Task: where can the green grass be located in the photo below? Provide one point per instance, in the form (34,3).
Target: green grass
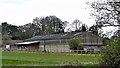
(0,57)
(46,59)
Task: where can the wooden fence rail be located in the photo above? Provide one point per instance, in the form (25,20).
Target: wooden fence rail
(63,51)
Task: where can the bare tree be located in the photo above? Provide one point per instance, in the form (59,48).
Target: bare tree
(76,24)
(106,12)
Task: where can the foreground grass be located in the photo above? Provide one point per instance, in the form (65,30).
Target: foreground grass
(0,57)
(47,59)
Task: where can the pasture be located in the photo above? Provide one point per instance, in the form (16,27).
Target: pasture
(47,59)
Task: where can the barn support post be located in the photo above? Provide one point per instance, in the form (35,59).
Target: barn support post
(44,45)
(50,48)
(39,46)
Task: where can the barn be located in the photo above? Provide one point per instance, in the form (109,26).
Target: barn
(59,42)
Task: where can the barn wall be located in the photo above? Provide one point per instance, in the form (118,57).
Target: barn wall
(90,39)
(55,45)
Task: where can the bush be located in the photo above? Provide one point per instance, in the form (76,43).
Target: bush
(75,44)
(111,54)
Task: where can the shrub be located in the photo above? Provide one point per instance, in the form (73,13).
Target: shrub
(111,54)
(75,44)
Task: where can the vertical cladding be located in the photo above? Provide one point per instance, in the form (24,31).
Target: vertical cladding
(57,45)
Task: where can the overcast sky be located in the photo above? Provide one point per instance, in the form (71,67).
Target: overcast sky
(20,12)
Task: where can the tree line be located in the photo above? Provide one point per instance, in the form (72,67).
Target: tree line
(43,26)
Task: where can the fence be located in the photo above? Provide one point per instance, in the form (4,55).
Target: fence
(57,51)
(75,52)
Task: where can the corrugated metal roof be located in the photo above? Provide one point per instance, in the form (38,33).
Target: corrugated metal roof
(54,36)
(59,36)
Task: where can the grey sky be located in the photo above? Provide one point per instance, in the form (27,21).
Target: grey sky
(20,12)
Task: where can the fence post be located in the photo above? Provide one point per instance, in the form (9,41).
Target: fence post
(81,52)
(77,52)
(90,51)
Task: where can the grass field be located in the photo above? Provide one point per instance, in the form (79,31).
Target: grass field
(0,57)
(47,59)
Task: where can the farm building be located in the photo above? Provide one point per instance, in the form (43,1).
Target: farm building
(59,42)
(9,44)
(26,46)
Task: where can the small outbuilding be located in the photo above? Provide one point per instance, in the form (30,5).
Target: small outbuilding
(26,46)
